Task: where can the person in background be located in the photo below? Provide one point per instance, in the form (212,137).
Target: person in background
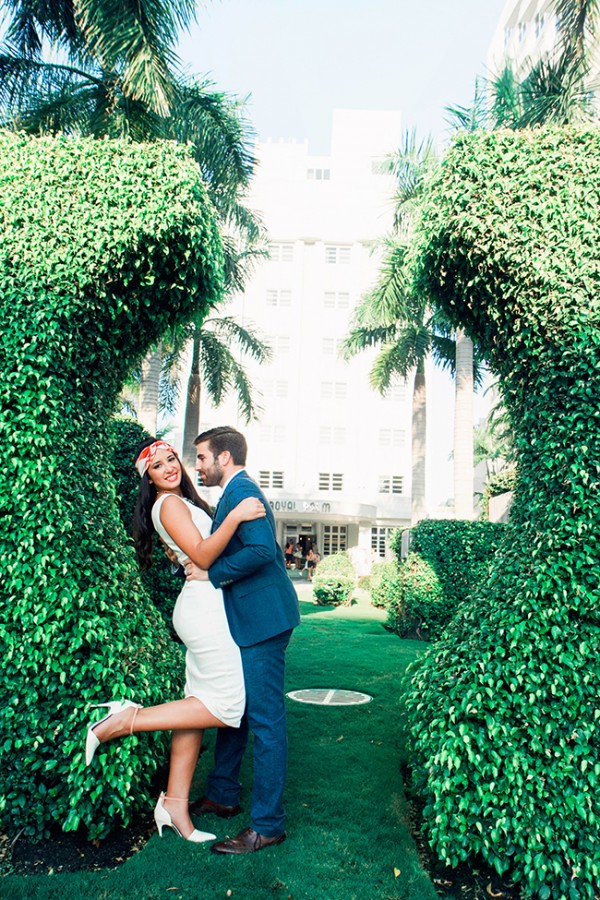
(290,561)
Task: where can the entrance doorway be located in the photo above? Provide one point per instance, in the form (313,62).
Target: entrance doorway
(303,537)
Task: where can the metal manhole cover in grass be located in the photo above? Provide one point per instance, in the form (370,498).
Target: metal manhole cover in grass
(330,697)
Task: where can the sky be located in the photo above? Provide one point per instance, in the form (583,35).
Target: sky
(298,60)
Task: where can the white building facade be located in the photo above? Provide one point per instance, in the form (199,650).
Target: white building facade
(527,29)
(332,456)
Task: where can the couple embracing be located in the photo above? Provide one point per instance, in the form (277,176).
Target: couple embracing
(235,616)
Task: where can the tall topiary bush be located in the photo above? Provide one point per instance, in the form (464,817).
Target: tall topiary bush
(102,245)
(504,709)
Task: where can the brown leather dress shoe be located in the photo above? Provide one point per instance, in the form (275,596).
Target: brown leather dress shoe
(204,806)
(247,841)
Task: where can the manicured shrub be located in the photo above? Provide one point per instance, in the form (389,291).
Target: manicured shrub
(161,586)
(103,245)
(382,582)
(504,708)
(335,580)
(459,552)
(418,605)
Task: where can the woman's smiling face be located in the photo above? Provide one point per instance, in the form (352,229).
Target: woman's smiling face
(165,471)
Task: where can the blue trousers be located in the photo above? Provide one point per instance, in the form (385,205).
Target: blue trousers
(264,671)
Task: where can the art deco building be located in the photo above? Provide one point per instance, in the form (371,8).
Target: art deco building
(332,456)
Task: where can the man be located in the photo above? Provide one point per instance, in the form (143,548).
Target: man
(262,610)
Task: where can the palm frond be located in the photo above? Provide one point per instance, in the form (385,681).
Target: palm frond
(361,338)
(214,124)
(248,406)
(226,328)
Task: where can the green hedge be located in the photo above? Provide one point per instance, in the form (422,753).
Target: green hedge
(460,553)
(417,605)
(504,709)
(103,245)
(335,580)
(382,583)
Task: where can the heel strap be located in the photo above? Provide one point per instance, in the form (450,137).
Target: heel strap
(135,712)
(181,799)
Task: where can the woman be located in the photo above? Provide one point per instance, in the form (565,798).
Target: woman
(214,689)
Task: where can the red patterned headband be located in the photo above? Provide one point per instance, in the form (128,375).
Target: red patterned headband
(146,457)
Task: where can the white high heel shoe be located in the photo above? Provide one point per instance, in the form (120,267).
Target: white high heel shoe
(162,819)
(115,706)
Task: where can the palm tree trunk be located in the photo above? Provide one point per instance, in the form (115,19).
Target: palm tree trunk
(419,445)
(463,428)
(191,422)
(149,389)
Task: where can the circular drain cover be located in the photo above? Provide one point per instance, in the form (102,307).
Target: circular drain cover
(330,697)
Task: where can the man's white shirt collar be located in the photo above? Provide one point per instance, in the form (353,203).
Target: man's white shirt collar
(230,479)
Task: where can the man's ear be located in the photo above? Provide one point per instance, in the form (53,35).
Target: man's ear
(225,457)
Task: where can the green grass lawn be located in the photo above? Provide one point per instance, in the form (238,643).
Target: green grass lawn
(348,837)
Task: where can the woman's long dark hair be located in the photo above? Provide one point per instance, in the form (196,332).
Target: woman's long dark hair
(143,528)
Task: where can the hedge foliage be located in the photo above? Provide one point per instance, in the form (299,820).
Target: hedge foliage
(504,709)
(102,245)
(335,580)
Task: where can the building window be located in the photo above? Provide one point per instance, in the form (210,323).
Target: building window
(336,254)
(270,479)
(272,434)
(331,346)
(335,539)
(539,24)
(392,437)
(332,434)
(522,32)
(279,298)
(331,481)
(380,540)
(281,252)
(334,390)
(507,35)
(390,484)
(336,300)
(277,388)
(318,174)
(280,343)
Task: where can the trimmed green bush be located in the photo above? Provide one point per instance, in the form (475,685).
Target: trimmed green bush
(418,605)
(335,580)
(460,552)
(161,586)
(103,245)
(382,582)
(504,709)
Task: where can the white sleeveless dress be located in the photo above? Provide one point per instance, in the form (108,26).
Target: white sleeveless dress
(213,666)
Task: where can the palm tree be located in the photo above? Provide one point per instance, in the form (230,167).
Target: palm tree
(216,345)
(400,322)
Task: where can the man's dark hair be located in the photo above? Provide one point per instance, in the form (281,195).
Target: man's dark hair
(225,438)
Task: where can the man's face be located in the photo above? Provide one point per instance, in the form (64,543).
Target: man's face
(207,466)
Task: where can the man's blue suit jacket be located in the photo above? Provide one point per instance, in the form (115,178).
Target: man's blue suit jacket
(260,600)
